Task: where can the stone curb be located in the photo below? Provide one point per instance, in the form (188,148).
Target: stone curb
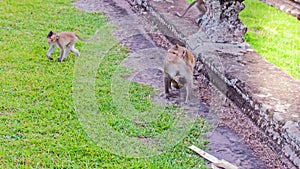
(268,95)
(288,6)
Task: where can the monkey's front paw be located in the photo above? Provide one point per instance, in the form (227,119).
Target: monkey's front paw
(59,59)
(168,96)
(164,95)
(50,58)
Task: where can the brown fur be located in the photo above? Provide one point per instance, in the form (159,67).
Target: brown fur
(186,55)
(64,39)
(177,72)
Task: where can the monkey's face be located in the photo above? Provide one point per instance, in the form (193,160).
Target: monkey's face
(172,54)
(52,37)
(49,40)
(181,51)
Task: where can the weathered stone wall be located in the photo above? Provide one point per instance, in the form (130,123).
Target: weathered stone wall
(143,4)
(221,22)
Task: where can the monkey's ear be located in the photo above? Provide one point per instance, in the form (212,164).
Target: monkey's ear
(184,53)
(50,34)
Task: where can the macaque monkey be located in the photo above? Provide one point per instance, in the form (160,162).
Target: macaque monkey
(177,72)
(62,40)
(201,7)
(186,55)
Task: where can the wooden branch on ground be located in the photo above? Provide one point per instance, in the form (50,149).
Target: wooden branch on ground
(215,161)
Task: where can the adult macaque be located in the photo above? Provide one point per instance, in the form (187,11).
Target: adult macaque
(177,72)
(186,55)
(200,6)
(62,40)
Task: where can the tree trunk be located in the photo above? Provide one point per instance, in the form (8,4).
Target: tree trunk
(221,22)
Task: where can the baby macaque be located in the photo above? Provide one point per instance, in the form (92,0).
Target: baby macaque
(62,40)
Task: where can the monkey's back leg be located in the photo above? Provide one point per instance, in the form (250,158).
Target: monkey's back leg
(167,82)
(68,48)
(181,15)
(74,50)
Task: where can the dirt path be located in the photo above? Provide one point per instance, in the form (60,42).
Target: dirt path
(148,47)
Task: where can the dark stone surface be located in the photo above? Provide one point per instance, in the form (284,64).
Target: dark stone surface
(234,147)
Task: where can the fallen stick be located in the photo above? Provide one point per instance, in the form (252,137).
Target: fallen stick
(219,163)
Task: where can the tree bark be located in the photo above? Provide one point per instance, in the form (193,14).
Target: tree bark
(221,22)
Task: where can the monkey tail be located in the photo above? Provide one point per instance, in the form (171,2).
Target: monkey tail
(87,40)
(181,15)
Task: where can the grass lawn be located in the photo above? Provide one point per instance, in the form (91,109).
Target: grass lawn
(43,121)
(274,34)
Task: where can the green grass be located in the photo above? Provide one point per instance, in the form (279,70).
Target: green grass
(40,127)
(274,34)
